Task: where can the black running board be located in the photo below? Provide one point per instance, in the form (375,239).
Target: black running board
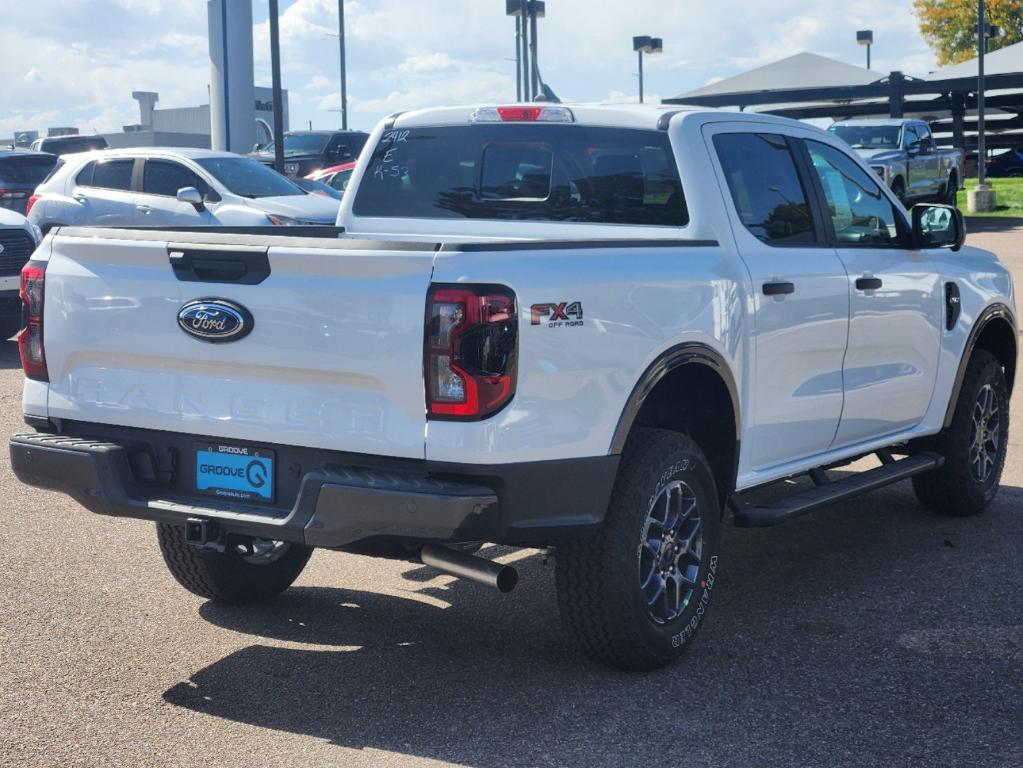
(828,492)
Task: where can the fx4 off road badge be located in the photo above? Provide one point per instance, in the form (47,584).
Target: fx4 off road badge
(564,314)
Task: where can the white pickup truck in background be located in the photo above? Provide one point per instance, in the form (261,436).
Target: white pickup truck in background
(588,329)
(904,154)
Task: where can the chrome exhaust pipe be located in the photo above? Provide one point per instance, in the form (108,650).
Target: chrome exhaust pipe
(465,566)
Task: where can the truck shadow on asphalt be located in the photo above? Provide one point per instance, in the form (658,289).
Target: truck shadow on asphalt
(869,630)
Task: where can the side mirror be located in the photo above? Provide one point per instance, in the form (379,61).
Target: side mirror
(938,226)
(913,148)
(192,196)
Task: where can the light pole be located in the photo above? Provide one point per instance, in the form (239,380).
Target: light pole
(527,73)
(340,35)
(537,10)
(344,77)
(982,197)
(645,44)
(866,37)
(517,8)
(275,77)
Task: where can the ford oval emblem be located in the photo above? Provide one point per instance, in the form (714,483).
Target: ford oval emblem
(215,320)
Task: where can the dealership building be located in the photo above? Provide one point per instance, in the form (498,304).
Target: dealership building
(189,126)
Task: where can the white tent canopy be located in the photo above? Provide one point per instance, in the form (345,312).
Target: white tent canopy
(1003,61)
(803,70)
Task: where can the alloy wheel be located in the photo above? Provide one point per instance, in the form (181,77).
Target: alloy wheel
(670,552)
(986,441)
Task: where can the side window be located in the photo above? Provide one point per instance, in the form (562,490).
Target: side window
(112,174)
(339,147)
(163,177)
(339,180)
(84,177)
(765,187)
(925,137)
(912,137)
(860,211)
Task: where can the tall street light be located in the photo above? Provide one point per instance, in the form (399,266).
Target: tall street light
(278,96)
(527,73)
(517,8)
(866,37)
(645,44)
(536,9)
(344,77)
(340,35)
(982,197)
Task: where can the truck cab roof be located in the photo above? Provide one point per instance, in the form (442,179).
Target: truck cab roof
(637,116)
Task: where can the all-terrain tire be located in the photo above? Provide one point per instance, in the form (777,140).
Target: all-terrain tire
(601,593)
(228,576)
(956,489)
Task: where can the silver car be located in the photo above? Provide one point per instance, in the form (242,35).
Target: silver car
(158,187)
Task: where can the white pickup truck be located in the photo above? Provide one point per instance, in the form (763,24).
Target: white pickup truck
(587,329)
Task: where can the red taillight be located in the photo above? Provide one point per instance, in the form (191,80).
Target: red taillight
(30,340)
(470,350)
(31,201)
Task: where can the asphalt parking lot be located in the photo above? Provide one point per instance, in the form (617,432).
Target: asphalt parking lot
(867,634)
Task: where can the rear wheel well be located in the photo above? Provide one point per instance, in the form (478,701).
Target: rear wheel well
(999,338)
(694,399)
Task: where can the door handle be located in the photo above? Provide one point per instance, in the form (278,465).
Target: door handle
(868,283)
(143,208)
(79,197)
(779,289)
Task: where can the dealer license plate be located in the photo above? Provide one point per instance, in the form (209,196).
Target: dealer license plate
(234,472)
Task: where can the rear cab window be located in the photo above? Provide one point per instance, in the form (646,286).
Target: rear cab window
(524,172)
(26,172)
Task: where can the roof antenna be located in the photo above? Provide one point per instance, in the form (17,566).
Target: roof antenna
(546,92)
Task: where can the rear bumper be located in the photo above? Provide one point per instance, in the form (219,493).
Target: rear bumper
(343,502)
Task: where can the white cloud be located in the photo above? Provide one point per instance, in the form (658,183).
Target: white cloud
(82,64)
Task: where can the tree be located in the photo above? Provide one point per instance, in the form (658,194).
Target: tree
(949,26)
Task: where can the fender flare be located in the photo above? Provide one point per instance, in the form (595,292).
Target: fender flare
(991,313)
(687,353)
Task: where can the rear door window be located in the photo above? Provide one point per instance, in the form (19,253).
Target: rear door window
(526,172)
(109,174)
(765,186)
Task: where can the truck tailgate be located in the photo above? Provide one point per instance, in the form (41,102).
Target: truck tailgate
(334,358)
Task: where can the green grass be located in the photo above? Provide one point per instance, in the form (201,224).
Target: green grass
(1008,197)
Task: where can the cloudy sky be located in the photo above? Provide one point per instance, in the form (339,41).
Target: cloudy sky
(76,62)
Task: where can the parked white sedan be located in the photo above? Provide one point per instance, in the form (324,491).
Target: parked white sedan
(161,187)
